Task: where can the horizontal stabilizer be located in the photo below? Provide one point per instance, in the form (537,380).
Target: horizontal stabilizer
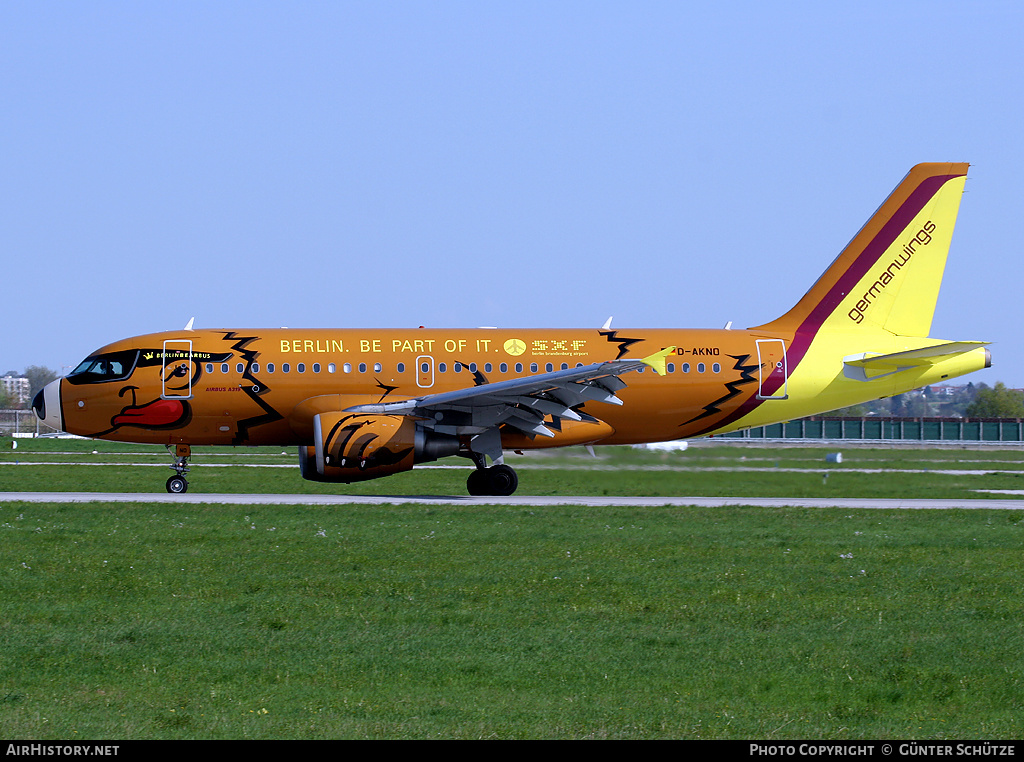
(865,367)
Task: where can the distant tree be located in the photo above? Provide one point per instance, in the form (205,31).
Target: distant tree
(909,405)
(38,377)
(963,397)
(997,402)
(916,406)
(853,411)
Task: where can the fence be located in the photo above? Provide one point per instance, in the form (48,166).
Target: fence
(890,429)
(23,423)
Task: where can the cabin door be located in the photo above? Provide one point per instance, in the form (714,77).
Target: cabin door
(177,369)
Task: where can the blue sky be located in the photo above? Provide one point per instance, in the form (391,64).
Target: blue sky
(454,164)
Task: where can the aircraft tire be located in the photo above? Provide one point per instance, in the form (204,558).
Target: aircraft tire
(498,481)
(476,484)
(502,480)
(176,485)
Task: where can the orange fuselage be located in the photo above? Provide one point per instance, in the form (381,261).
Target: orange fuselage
(247,387)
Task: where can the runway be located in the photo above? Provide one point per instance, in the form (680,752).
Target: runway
(980,503)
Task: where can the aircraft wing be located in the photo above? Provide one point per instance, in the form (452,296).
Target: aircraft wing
(867,366)
(522,403)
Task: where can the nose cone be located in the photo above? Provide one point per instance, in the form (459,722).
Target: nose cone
(39,405)
(47,405)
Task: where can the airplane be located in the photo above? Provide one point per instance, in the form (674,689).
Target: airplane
(361,404)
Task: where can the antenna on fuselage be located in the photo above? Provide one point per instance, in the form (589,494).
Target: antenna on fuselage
(188,325)
(607,324)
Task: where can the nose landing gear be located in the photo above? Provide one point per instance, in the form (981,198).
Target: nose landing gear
(177,484)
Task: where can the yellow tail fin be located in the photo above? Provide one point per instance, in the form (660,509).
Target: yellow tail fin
(889,275)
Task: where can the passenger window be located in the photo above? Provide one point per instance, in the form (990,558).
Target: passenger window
(224,368)
(285,367)
(255,367)
(270,367)
(401,367)
(301,367)
(316,367)
(331,368)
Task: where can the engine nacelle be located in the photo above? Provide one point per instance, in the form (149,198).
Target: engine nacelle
(352,447)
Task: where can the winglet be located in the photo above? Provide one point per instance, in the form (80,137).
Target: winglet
(657,360)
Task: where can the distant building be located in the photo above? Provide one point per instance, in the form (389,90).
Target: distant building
(16,387)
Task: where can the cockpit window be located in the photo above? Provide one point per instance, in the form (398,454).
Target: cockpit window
(114,366)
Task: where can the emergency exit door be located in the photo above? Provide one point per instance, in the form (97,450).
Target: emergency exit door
(773,372)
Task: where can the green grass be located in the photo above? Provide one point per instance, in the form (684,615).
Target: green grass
(124,621)
(121,621)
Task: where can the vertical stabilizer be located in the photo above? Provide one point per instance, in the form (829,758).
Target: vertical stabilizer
(888,276)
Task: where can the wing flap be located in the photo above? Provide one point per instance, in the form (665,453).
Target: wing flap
(523,403)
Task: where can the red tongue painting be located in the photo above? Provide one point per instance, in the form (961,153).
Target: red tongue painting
(156,413)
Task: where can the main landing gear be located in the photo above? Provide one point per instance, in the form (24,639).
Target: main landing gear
(177,484)
(500,480)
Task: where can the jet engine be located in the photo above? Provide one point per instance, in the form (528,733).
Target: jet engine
(353,447)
